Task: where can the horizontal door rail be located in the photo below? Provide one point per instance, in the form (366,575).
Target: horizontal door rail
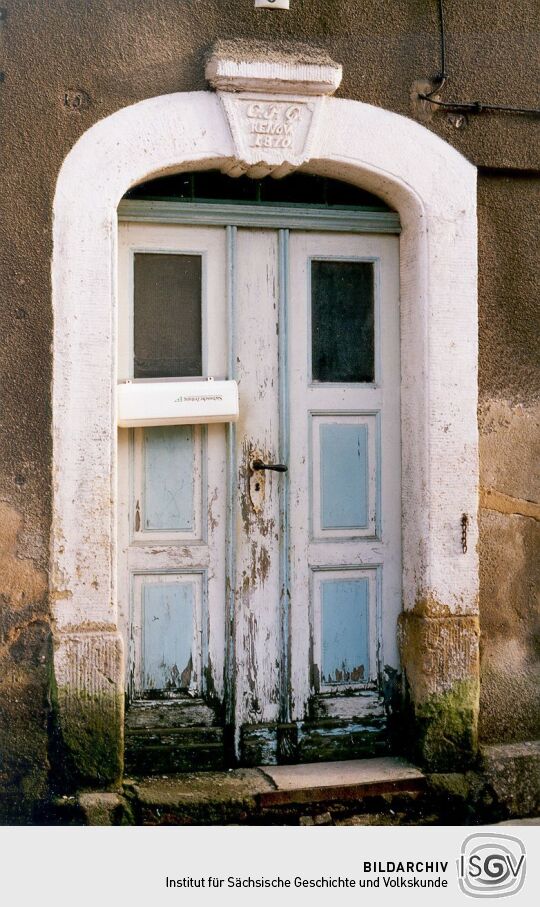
(276,216)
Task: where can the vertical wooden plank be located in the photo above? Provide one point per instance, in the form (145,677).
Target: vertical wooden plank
(168,614)
(168,478)
(344,476)
(232,466)
(284,488)
(345,630)
(258,624)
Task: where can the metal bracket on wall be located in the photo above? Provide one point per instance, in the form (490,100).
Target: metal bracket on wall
(271,4)
(464,528)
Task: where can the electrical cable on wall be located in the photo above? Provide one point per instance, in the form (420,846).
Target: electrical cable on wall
(464,106)
(441,78)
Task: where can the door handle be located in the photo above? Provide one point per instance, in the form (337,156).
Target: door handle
(276,467)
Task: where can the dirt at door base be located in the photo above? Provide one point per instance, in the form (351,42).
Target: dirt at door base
(180,734)
(184,734)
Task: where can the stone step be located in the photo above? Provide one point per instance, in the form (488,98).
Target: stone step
(197,798)
(351,792)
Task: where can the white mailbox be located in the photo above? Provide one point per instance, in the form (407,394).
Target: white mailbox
(156,402)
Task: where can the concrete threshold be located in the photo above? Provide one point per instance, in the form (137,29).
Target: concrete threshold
(327,781)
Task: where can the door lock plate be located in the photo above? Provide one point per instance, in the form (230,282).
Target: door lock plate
(257,482)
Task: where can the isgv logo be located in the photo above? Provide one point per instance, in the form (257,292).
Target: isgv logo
(491,866)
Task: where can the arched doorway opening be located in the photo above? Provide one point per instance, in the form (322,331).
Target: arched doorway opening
(433,189)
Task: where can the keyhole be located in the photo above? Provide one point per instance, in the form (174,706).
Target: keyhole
(257,486)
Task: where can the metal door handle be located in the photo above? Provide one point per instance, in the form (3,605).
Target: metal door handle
(277,467)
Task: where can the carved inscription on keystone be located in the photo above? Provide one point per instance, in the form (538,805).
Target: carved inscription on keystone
(272,125)
(270,130)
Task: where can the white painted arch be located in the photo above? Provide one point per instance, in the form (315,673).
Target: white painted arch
(434,190)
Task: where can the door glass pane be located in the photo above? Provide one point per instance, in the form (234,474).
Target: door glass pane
(167,316)
(342,321)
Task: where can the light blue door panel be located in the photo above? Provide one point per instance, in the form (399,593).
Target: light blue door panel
(168,614)
(344,476)
(345,631)
(168,478)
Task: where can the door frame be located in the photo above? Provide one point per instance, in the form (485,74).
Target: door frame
(281,221)
(433,189)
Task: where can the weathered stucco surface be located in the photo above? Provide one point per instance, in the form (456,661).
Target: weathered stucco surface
(510,572)
(88,709)
(509,224)
(440,658)
(25,653)
(70,63)
(509,424)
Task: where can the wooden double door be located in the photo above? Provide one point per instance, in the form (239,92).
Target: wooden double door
(259,563)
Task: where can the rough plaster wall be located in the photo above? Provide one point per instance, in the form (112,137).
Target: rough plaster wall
(509,420)
(24,666)
(509,256)
(120,51)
